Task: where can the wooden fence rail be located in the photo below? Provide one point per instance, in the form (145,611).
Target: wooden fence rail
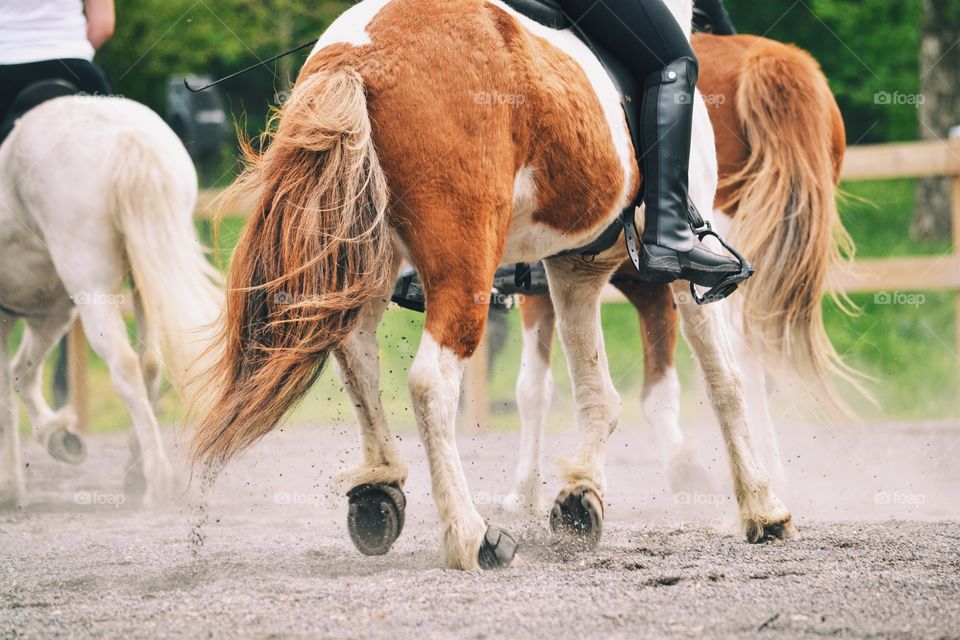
(873,162)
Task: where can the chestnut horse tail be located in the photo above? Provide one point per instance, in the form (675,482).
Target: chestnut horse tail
(316,249)
(787,221)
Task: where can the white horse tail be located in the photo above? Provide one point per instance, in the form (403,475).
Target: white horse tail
(155,195)
(787,221)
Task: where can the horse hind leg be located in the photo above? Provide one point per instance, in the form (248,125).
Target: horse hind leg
(660,326)
(762,515)
(575,287)
(457,306)
(11,460)
(376,500)
(107,333)
(151,367)
(534,390)
(55,430)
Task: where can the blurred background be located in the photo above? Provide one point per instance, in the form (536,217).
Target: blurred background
(894,66)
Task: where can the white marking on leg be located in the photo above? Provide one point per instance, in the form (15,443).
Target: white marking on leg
(358,362)
(435,379)
(534,392)
(661,406)
(758,406)
(706,331)
(104,327)
(576,296)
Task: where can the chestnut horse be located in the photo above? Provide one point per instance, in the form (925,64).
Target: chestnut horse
(458,135)
(780,147)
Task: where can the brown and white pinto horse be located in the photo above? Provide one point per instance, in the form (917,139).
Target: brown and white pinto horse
(458,135)
(780,146)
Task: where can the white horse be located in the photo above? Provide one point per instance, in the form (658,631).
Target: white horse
(93,191)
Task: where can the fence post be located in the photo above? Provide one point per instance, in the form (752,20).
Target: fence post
(955,215)
(77,375)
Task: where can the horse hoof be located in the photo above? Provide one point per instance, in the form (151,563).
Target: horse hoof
(761,532)
(375,518)
(66,446)
(497,549)
(578,514)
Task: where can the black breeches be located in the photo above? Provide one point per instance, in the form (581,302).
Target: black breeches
(14,78)
(643,34)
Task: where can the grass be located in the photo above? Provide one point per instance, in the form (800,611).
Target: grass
(908,349)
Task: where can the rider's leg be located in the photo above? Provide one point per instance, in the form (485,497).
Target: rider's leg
(646,37)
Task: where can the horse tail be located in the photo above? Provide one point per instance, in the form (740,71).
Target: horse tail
(154,199)
(316,249)
(787,220)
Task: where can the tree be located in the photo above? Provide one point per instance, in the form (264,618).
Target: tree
(866,48)
(939,108)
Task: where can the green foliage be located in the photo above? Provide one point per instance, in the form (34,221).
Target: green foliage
(159,39)
(866,47)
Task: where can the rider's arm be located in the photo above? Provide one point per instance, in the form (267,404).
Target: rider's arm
(101,19)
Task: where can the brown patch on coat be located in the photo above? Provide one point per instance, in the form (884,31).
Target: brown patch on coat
(462,97)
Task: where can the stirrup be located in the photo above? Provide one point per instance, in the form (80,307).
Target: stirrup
(730,283)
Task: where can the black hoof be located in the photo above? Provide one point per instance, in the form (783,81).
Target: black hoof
(497,550)
(578,514)
(66,446)
(375,519)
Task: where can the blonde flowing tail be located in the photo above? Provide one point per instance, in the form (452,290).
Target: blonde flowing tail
(181,291)
(315,251)
(787,221)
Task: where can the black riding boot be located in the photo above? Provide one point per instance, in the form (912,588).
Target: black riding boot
(672,249)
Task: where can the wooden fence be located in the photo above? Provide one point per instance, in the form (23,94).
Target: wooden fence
(874,162)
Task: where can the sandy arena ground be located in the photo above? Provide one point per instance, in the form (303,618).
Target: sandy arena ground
(878,553)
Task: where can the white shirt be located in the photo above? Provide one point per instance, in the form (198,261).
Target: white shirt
(35,30)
